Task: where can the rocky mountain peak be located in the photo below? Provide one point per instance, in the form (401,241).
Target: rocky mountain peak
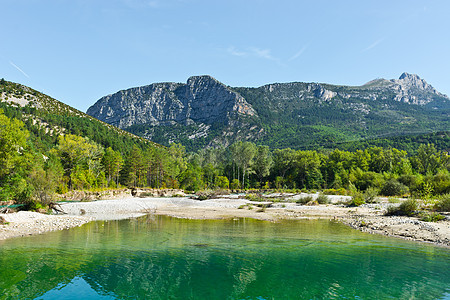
(410,88)
(202,99)
(408,76)
(413,80)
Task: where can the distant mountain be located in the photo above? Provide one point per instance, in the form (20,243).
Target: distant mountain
(205,112)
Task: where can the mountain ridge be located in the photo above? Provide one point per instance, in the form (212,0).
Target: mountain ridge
(206,112)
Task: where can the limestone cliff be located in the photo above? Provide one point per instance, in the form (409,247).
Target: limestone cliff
(202,99)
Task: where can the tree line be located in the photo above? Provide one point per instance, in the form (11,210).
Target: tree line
(73,162)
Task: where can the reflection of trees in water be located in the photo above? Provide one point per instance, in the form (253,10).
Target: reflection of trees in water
(161,258)
(199,273)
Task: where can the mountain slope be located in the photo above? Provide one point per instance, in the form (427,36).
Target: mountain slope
(204,112)
(46,118)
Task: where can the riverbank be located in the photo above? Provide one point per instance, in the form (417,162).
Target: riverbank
(367,218)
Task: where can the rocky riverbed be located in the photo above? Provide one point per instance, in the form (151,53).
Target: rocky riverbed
(368,218)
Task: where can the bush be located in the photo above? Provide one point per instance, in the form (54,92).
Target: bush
(431,217)
(235,184)
(370,195)
(406,208)
(222,182)
(443,203)
(34,205)
(357,199)
(202,197)
(393,188)
(409,180)
(323,199)
(304,200)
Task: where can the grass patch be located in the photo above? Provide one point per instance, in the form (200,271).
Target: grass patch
(431,217)
(254,197)
(394,200)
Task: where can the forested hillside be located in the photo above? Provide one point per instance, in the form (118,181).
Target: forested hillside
(47,147)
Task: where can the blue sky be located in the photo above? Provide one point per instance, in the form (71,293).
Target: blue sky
(80,50)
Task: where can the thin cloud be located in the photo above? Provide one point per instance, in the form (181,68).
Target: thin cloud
(376,43)
(298,54)
(233,51)
(19,69)
(251,52)
(262,53)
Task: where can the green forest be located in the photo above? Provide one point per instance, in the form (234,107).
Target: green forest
(49,148)
(33,169)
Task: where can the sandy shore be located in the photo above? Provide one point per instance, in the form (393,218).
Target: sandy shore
(368,218)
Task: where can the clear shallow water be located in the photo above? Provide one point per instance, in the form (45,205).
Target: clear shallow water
(165,258)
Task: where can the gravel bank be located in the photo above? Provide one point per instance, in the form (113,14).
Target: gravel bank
(26,223)
(367,218)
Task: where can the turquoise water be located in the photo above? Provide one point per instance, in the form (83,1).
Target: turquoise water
(157,257)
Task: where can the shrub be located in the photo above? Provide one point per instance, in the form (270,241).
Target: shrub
(235,184)
(323,199)
(222,182)
(370,195)
(304,200)
(393,188)
(443,203)
(204,195)
(431,217)
(34,205)
(424,190)
(406,208)
(409,180)
(357,199)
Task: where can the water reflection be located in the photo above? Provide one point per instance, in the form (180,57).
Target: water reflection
(164,258)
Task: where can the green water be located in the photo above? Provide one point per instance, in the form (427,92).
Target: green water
(166,258)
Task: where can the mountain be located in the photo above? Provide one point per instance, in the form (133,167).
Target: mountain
(46,118)
(205,112)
